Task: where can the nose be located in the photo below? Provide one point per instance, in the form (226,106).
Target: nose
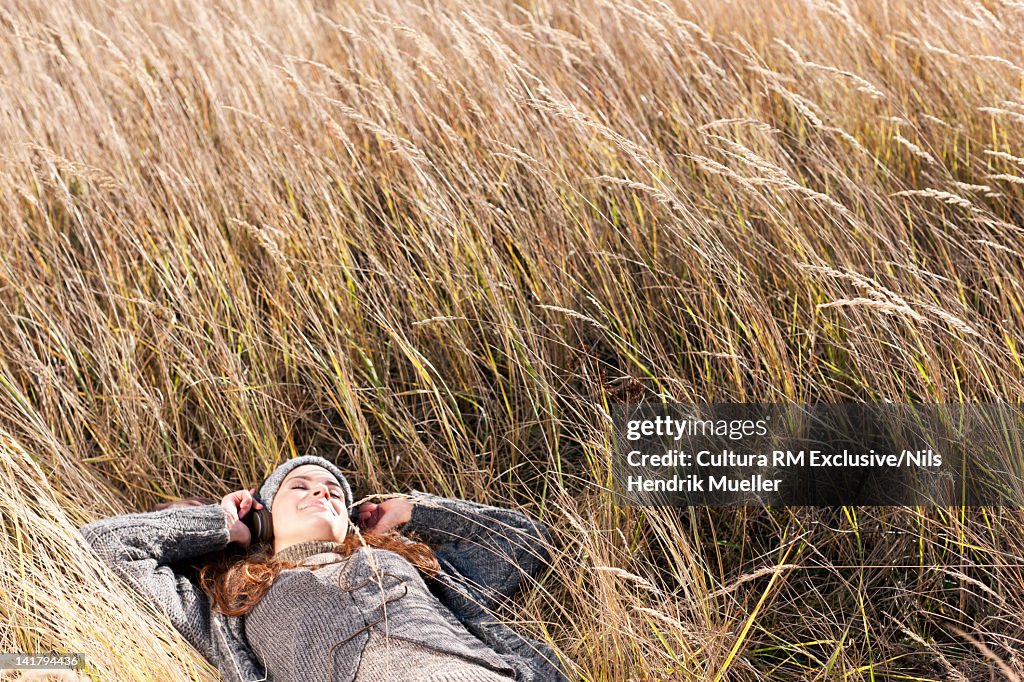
(322,491)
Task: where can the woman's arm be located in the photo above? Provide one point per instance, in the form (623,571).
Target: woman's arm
(139,547)
(493,548)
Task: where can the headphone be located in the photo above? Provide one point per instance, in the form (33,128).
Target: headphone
(260,526)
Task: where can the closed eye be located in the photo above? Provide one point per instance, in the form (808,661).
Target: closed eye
(330,492)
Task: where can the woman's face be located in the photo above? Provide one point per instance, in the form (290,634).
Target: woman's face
(309,505)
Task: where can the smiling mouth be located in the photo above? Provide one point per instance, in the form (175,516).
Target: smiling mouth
(320,505)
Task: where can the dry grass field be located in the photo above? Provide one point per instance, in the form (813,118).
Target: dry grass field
(437,240)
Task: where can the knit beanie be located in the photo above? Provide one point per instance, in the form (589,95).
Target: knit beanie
(266,493)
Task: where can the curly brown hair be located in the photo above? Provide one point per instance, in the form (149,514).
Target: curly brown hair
(238,579)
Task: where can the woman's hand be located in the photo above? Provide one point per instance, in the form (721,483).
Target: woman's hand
(237,505)
(387,515)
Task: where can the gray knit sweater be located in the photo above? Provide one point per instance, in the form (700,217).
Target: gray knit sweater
(361,612)
(484,553)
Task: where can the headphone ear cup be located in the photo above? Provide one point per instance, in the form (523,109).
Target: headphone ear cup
(267,526)
(260,525)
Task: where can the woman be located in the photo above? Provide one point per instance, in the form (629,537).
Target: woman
(328,601)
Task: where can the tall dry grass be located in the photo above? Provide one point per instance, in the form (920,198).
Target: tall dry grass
(437,239)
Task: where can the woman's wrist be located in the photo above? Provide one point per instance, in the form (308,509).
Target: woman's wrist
(234,532)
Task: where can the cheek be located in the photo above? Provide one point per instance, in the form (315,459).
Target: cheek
(284,516)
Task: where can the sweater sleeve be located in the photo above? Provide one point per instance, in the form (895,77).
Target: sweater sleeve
(139,547)
(492,548)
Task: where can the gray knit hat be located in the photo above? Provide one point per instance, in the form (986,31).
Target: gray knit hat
(269,488)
